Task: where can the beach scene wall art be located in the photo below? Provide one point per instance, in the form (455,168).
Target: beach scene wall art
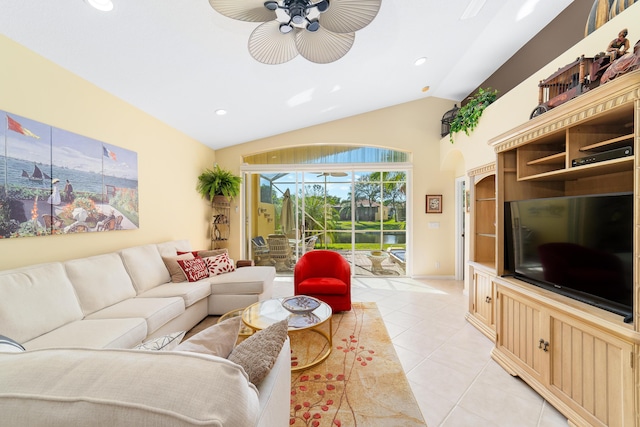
(53,181)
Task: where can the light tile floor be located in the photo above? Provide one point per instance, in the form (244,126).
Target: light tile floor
(446,360)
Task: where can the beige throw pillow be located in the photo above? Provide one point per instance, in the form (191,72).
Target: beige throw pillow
(176,273)
(216,340)
(258,353)
(206,252)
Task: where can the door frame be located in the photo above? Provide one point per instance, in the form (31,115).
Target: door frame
(247,170)
(460,226)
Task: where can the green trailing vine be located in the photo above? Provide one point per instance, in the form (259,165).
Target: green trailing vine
(468,116)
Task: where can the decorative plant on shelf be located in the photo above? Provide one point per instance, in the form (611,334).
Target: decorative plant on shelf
(468,115)
(218,182)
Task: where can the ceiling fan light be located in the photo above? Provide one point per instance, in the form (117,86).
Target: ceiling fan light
(313,25)
(271,5)
(285,28)
(323,5)
(298,19)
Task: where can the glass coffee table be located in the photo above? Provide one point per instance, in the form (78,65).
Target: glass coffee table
(316,323)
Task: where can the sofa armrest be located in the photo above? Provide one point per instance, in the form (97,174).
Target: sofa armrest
(244,263)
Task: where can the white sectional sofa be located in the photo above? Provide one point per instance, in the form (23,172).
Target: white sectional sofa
(87,311)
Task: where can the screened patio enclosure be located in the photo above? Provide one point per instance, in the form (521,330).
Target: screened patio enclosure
(359,212)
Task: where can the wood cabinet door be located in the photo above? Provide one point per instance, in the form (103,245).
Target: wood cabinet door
(521,326)
(591,371)
(483,302)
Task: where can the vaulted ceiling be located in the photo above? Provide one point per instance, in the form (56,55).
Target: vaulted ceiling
(180,61)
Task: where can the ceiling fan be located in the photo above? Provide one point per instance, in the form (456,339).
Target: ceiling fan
(322,31)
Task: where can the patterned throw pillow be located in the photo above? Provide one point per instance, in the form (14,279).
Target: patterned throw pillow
(194,269)
(258,353)
(164,343)
(219,264)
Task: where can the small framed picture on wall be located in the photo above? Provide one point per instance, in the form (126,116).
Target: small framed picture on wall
(434,203)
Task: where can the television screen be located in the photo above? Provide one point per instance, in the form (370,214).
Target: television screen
(579,246)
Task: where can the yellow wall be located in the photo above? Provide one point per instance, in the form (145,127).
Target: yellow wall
(168,161)
(413,127)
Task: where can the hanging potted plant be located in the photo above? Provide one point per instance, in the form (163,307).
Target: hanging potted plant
(467,116)
(218,182)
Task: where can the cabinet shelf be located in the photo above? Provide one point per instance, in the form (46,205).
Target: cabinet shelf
(553,159)
(606,167)
(220,224)
(486,199)
(612,141)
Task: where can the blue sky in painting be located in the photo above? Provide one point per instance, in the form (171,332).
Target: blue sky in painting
(68,149)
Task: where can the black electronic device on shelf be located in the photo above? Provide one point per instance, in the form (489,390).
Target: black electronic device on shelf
(615,153)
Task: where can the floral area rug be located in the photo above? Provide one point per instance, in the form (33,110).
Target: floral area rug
(361,383)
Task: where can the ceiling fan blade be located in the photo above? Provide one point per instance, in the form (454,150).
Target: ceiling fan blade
(347,16)
(269,46)
(244,10)
(323,46)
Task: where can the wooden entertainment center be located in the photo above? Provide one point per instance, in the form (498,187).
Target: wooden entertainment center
(580,358)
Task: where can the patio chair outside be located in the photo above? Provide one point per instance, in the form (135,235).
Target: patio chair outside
(280,251)
(260,251)
(309,245)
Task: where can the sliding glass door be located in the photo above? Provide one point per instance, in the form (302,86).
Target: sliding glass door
(358,213)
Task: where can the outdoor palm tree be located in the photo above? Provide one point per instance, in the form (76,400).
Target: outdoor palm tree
(394,186)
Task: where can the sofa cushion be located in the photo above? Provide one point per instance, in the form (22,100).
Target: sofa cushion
(175,271)
(99,281)
(36,300)
(163,343)
(86,387)
(219,264)
(246,280)
(194,269)
(259,352)
(155,311)
(144,265)
(216,340)
(98,333)
(190,292)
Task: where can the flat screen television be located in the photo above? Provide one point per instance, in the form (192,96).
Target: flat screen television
(578,246)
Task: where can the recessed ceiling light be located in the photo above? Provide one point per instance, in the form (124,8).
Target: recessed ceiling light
(426,88)
(103,5)
(221,112)
(420,61)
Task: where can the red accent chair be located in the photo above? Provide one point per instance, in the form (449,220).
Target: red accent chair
(324,275)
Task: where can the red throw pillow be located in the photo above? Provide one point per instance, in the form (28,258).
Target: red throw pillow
(194,269)
(219,264)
